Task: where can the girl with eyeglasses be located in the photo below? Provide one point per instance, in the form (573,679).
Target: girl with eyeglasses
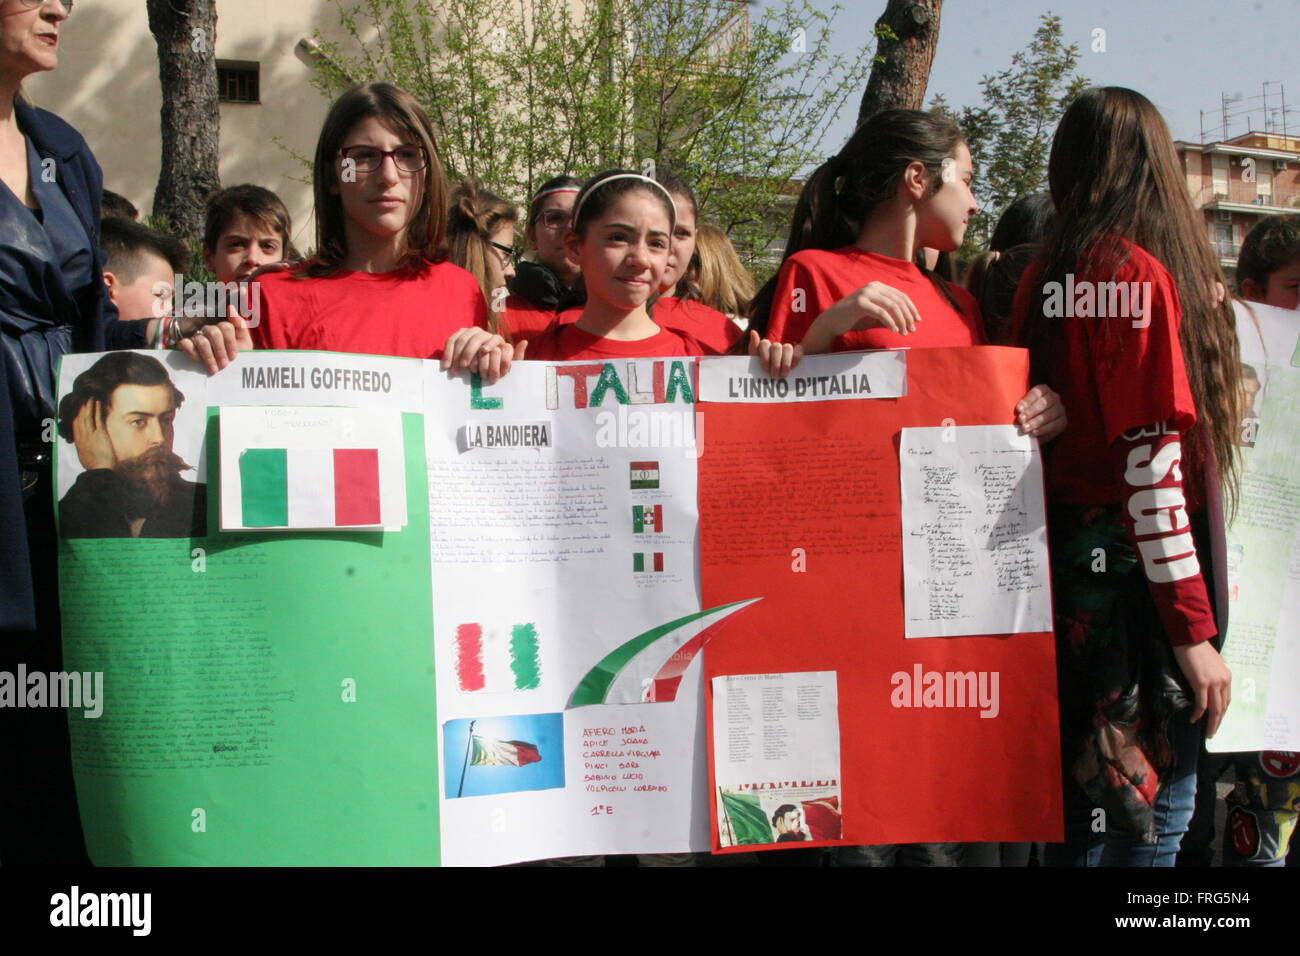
(480,239)
(380,282)
(552,281)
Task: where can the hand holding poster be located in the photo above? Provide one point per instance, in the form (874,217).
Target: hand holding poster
(510,674)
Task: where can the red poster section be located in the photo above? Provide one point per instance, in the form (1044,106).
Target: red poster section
(799,505)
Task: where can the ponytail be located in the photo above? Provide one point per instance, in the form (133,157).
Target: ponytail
(843,191)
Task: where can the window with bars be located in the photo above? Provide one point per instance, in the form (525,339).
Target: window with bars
(237,82)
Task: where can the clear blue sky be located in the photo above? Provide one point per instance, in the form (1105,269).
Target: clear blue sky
(1182,55)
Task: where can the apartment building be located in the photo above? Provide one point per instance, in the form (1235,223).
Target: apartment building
(107,87)
(1237,181)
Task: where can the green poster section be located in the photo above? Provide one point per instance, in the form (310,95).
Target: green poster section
(268,702)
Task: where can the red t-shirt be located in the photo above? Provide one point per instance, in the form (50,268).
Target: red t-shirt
(1111,383)
(566,342)
(525,320)
(1121,378)
(405,313)
(812,281)
(714,332)
(711,330)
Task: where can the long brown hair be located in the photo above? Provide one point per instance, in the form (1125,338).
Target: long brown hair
(843,191)
(426,233)
(1113,172)
(474,216)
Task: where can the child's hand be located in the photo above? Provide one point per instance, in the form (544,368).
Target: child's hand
(215,342)
(875,304)
(480,351)
(1211,682)
(778,358)
(883,305)
(1041,413)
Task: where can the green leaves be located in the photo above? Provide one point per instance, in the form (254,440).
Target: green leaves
(1010,136)
(521,90)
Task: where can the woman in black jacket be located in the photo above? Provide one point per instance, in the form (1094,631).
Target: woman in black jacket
(52,301)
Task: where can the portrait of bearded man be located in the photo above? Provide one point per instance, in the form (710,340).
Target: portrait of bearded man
(120,416)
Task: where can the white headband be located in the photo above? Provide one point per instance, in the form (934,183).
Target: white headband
(609,179)
(558,189)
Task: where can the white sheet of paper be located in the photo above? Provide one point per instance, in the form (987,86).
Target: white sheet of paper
(1263,568)
(515,522)
(775,728)
(818,378)
(974,532)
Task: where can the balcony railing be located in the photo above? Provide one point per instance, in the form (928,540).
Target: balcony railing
(1245,194)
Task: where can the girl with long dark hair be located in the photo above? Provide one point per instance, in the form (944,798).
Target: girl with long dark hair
(848,279)
(1122,317)
(380,282)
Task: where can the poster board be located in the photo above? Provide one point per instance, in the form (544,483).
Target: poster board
(513,672)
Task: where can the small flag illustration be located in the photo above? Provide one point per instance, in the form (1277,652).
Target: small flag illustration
(481,658)
(645,474)
(644,561)
(336,487)
(486,752)
(646,519)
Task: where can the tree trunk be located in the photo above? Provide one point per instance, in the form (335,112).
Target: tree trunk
(898,81)
(186,32)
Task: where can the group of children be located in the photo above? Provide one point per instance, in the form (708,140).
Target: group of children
(1138,412)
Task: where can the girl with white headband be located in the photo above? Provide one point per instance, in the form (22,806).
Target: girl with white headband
(620,238)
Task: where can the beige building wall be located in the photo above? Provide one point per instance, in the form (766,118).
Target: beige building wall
(107,87)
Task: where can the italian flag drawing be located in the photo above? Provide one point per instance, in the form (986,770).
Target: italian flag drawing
(333,487)
(644,474)
(652,561)
(311,468)
(648,668)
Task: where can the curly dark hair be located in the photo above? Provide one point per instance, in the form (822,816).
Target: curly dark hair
(98,383)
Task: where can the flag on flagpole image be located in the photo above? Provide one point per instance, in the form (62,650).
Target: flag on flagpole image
(742,819)
(486,752)
(487,755)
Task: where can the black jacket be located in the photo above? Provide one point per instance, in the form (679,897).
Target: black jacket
(31,343)
(540,286)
